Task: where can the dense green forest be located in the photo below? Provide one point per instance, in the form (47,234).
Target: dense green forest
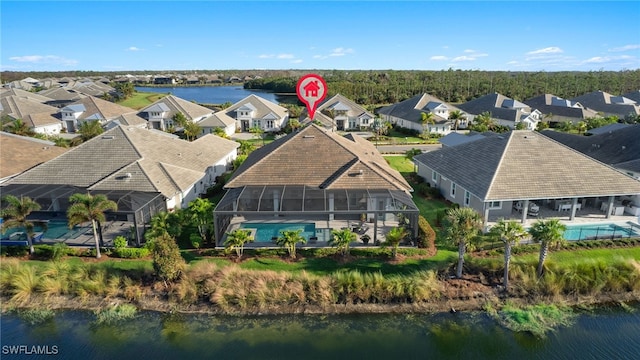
(457,86)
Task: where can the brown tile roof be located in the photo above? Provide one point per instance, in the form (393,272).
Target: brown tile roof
(19,153)
(19,107)
(153,160)
(526,165)
(177,105)
(107,110)
(318,158)
(263,107)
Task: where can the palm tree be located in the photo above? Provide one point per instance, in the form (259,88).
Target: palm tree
(464,225)
(19,127)
(341,240)
(236,240)
(457,117)
(289,238)
(510,232)
(15,214)
(581,126)
(547,233)
(90,129)
(191,130)
(220,132)
(394,237)
(164,223)
(89,208)
(427,118)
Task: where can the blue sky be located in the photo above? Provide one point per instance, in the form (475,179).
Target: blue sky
(412,35)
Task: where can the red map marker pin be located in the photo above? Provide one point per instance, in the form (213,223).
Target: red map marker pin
(311,90)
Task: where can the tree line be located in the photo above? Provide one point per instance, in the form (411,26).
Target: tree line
(458,86)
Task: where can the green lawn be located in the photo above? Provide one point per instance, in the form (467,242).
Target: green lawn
(140,100)
(428,208)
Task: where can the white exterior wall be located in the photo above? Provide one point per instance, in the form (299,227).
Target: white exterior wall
(51,129)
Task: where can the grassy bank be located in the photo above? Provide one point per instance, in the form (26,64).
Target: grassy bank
(264,284)
(141,100)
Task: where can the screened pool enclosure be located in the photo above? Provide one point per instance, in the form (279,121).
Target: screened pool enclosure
(305,203)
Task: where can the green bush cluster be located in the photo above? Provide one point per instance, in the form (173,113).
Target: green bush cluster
(426,235)
(130,253)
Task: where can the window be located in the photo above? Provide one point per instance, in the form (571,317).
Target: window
(434,176)
(269,124)
(467,198)
(365,121)
(494,205)
(257,123)
(453,189)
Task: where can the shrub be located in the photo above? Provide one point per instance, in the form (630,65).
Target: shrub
(426,235)
(168,264)
(17,251)
(131,253)
(53,252)
(120,242)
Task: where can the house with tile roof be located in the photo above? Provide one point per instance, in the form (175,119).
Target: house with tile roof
(315,175)
(91,108)
(40,118)
(219,120)
(618,146)
(160,114)
(504,111)
(493,174)
(21,153)
(255,111)
(608,104)
(60,97)
(557,109)
(339,113)
(408,114)
(143,171)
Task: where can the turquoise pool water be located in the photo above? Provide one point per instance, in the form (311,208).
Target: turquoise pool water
(266,231)
(600,231)
(56,230)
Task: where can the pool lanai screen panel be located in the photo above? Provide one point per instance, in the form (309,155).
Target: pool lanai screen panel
(297,198)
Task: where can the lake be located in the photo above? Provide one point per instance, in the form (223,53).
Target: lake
(602,334)
(217,94)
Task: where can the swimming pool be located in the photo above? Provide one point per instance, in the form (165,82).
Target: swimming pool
(56,230)
(601,231)
(266,231)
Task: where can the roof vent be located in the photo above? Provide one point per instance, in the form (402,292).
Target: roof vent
(108,137)
(128,175)
(308,137)
(529,136)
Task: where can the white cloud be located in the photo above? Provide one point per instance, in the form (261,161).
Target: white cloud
(626,48)
(605,59)
(44,59)
(439,58)
(133,48)
(547,50)
(285,56)
(296,61)
(341,51)
(463,58)
(469,51)
(265,56)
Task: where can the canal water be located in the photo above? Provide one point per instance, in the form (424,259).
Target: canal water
(217,94)
(603,334)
